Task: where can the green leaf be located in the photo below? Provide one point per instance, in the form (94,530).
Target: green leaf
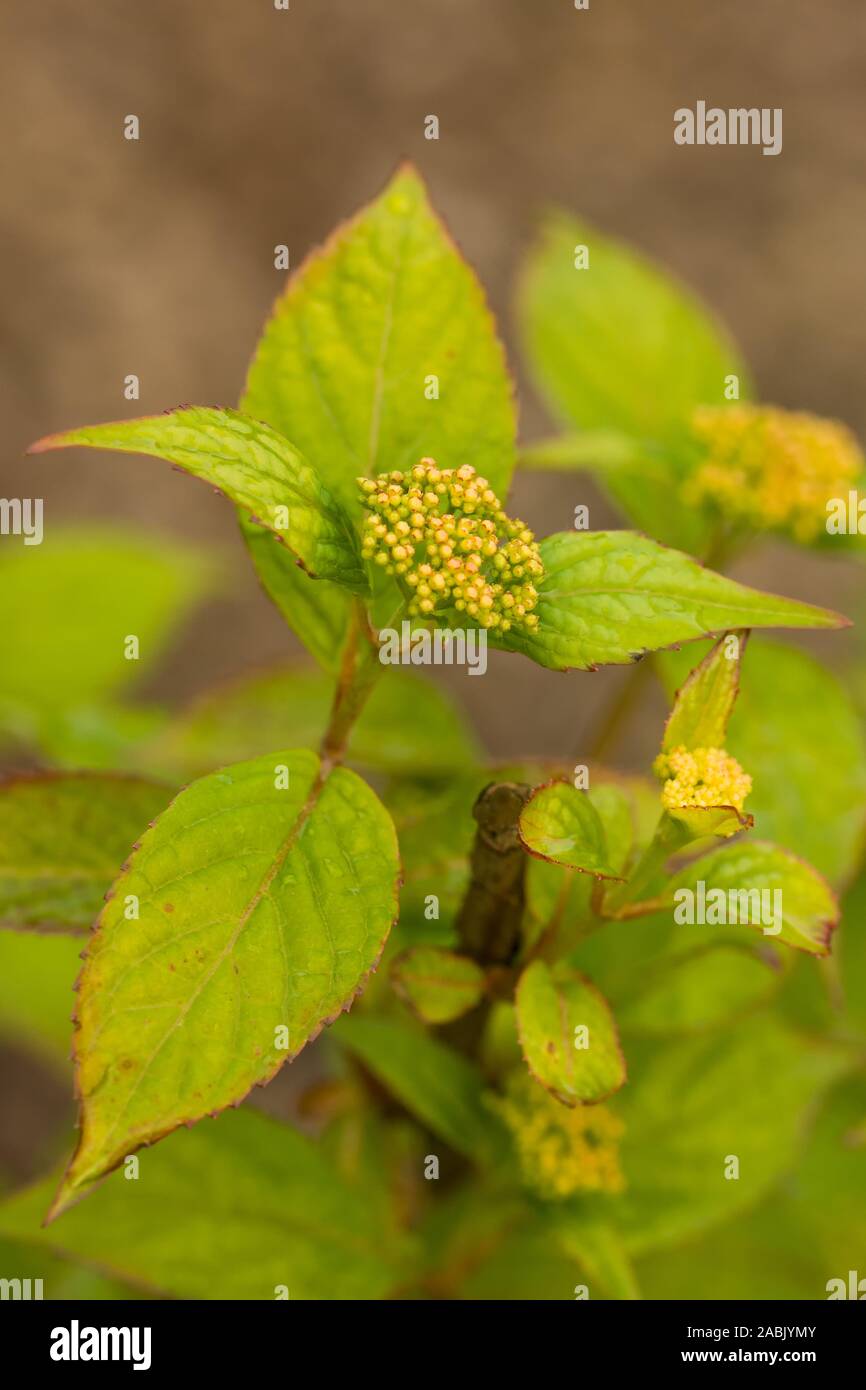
(317,611)
(561,824)
(438,985)
(698,990)
(262,909)
(37,977)
(691,1105)
(564,895)
(435,828)
(551,1007)
(796,732)
(622,347)
(408,724)
(341,368)
(100,738)
(230,1211)
(704,704)
(253,465)
(599,1250)
(807,907)
(60,1279)
(67,608)
(63,839)
(444,1090)
(607,597)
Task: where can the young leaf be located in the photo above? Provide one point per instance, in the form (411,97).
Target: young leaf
(255,466)
(607,597)
(704,704)
(796,731)
(264,896)
(253,1206)
(768,883)
(568,1035)
(438,985)
(444,1090)
(561,824)
(66,611)
(62,839)
(622,347)
(564,895)
(386,312)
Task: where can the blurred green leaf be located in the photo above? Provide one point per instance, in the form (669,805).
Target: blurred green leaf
(63,840)
(435,1083)
(67,609)
(37,974)
(697,991)
(600,1251)
(796,732)
(811,1230)
(607,597)
(229,1211)
(554,1010)
(622,347)
(252,464)
(693,1105)
(409,725)
(265,895)
(61,1279)
(438,985)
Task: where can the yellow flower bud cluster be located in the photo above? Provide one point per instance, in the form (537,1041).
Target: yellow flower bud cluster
(443,533)
(561,1150)
(773,469)
(701,777)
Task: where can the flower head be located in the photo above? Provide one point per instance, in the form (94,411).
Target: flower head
(701,777)
(561,1150)
(443,532)
(772,469)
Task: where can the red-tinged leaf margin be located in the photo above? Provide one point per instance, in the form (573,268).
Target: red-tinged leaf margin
(576,975)
(66,1196)
(696,676)
(343,231)
(559,780)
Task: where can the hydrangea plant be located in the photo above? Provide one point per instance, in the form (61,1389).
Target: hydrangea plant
(576,1018)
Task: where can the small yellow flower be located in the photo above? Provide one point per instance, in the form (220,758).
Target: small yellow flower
(444,533)
(701,777)
(772,469)
(561,1150)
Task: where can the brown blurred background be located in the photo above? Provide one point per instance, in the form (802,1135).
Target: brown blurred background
(261,126)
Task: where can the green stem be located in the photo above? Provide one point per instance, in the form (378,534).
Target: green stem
(359,672)
(640,894)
